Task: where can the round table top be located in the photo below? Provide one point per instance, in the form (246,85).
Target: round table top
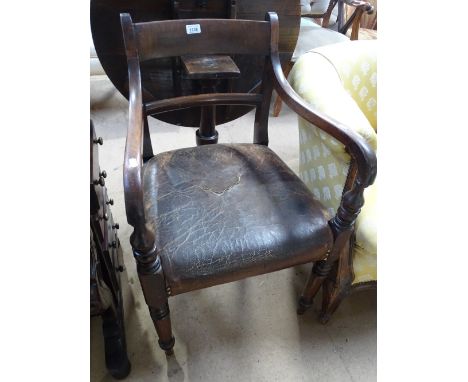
(164,78)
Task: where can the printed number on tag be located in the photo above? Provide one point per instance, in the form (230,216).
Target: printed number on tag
(194,28)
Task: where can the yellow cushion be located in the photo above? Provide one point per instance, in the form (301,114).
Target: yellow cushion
(331,78)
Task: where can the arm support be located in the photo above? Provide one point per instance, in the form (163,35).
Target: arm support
(142,238)
(363,156)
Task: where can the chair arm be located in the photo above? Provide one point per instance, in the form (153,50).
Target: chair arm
(324,16)
(362,5)
(142,238)
(359,4)
(355,19)
(133,163)
(362,154)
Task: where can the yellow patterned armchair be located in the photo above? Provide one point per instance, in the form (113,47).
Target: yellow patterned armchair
(340,80)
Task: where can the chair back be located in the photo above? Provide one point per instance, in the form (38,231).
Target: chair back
(174,38)
(187,37)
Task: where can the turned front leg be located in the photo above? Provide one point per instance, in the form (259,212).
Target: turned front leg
(162,322)
(318,274)
(152,281)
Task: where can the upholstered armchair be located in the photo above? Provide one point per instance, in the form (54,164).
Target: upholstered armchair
(340,80)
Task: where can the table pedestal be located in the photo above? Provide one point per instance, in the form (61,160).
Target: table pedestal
(209,70)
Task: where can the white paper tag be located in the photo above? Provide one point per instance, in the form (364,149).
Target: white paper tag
(132,162)
(192,29)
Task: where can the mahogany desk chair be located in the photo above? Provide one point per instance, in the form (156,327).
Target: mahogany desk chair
(218,213)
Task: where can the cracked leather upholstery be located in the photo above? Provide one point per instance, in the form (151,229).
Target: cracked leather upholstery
(225,212)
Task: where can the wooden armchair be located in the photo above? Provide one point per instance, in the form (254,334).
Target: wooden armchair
(218,213)
(367,29)
(313,35)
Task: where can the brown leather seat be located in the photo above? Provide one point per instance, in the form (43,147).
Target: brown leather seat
(224,212)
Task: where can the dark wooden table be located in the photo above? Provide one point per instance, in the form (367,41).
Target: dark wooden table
(167,78)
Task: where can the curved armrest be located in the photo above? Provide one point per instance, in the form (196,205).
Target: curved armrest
(133,160)
(363,155)
(133,157)
(355,19)
(366,6)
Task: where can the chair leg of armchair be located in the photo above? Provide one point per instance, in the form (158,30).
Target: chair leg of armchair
(338,283)
(162,322)
(277,106)
(332,295)
(278,102)
(153,284)
(318,274)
